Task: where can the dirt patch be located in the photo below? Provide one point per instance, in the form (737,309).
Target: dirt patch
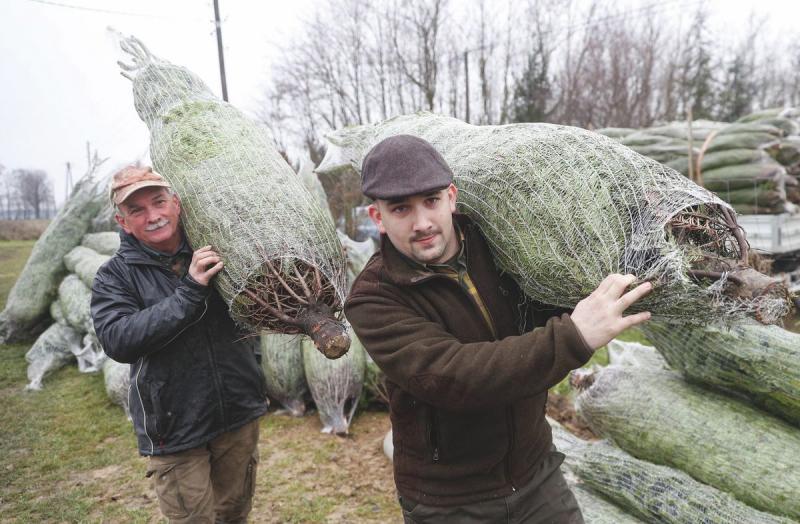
(303,476)
(561,408)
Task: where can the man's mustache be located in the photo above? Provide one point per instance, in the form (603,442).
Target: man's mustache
(420,236)
(161,223)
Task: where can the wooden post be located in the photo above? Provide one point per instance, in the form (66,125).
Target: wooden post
(691,143)
(466,82)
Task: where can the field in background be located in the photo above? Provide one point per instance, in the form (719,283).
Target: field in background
(22,229)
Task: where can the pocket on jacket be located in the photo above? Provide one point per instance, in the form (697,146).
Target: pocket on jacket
(158,421)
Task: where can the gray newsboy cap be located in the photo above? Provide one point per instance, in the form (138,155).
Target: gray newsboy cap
(401,166)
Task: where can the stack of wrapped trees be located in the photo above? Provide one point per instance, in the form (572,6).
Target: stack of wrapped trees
(71,337)
(752,163)
(53,290)
(694,445)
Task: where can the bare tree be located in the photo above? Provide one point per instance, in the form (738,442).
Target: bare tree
(421,21)
(34,189)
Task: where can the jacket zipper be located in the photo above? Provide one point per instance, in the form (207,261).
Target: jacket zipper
(510,425)
(138,372)
(433,435)
(218,384)
(141,403)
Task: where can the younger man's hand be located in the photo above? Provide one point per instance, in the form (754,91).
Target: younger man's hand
(205,264)
(599,316)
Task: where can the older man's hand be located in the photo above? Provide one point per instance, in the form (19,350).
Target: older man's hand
(205,264)
(599,318)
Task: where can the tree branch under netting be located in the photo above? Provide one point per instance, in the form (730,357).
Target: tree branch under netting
(284,265)
(563,207)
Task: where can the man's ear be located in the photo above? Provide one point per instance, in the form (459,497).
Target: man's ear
(375,216)
(121,221)
(452,195)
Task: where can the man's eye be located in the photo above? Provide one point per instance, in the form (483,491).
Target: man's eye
(398,209)
(135,212)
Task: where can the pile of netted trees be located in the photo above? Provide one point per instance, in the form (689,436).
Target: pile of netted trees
(752,163)
(705,427)
(50,301)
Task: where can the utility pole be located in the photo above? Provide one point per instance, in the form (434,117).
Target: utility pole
(219,51)
(466,81)
(68,182)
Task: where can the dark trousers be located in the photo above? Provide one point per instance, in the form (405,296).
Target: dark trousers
(546,499)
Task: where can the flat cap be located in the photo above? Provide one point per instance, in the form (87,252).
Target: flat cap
(401,166)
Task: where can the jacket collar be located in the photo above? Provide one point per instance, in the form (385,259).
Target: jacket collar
(405,272)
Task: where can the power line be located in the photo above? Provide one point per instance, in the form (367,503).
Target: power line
(101,10)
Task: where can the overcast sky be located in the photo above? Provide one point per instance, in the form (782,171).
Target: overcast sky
(61,86)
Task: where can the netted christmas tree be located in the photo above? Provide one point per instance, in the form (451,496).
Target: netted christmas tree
(762,363)
(284,267)
(656,416)
(563,207)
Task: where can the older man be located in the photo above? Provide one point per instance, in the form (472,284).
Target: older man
(467,373)
(197,390)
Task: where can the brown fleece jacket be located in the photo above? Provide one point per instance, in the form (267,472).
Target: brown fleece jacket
(467,409)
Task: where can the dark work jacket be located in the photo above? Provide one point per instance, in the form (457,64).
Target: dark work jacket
(467,409)
(193,374)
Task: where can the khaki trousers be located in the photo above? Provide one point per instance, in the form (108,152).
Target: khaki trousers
(546,499)
(211,483)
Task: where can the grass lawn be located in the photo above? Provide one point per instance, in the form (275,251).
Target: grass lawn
(67,454)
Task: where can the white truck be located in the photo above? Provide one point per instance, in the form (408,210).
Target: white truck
(779,237)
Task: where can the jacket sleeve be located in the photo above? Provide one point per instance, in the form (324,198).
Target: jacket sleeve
(126,331)
(435,367)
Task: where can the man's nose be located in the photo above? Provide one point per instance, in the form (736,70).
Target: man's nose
(422,221)
(153,214)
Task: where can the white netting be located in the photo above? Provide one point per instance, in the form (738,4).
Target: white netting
(90,356)
(84,262)
(105,243)
(117,379)
(335,384)
(656,416)
(282,362)
(595,509)
(52,350)
(762,363)
(621,353)
(563,207)
(75,298)
(284,269)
